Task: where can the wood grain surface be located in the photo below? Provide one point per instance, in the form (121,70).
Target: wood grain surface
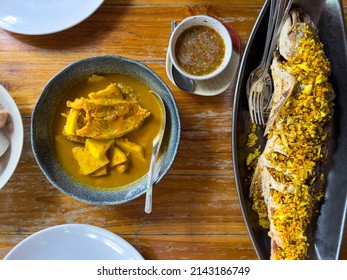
(196,212)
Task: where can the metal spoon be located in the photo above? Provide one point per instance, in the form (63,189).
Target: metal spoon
(258,72)
(278,11)
(155,151)
(283,10)
(182,82)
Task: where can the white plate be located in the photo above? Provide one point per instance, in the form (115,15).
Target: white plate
(38,17)
(9,160)
(74,242)
(220,83)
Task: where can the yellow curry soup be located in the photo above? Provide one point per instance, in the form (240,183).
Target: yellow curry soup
(69,153)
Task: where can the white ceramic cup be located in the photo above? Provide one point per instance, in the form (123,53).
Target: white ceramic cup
(205,21)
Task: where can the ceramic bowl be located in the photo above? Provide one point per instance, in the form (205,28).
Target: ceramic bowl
(9,160)
(204,21)
(43,138)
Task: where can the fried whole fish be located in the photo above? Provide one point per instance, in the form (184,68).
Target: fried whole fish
(284,188)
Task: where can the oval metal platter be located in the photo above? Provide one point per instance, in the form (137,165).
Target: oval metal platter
(326,231)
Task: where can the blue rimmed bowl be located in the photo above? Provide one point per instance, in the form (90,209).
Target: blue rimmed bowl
(42,137)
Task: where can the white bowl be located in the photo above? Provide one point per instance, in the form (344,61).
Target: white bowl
(9,161)
(204,21)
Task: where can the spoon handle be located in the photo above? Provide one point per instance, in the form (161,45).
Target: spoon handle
(281,15)
(270,28)
(155,151)
(173,25)
(149,194)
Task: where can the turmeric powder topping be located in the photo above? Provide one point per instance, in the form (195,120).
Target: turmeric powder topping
(296,146)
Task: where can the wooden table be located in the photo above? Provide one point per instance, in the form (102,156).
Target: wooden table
(196,212)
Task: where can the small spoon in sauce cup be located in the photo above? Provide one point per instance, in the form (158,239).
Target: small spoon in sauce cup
(155,151)
(183,82)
